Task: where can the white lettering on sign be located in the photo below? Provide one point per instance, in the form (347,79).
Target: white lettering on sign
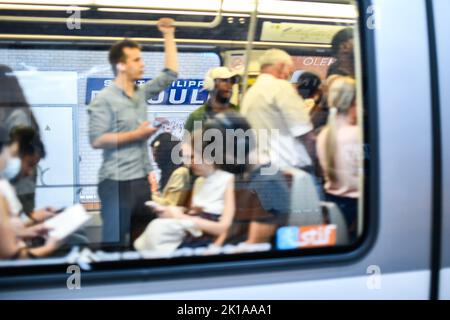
(194,97)
(187,83)
(158,99)
(180,100)
(180,92)
(314,61)
(317,236)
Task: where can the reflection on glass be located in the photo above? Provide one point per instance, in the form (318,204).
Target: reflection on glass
(167,156)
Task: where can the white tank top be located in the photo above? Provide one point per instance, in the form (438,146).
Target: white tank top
(209,192)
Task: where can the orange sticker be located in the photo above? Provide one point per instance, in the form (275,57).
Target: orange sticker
(317,236)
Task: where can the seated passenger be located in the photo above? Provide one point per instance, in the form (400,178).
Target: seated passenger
(210,214)
(338,148)
(219,82)
(15,112)
(262,206)
(8,243)
(162,147)
(177,191)
(178,188)
(13,230)
(176,182)
(174,177)
(261,190)
(31,151)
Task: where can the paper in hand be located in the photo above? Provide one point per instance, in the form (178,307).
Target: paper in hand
(70,220)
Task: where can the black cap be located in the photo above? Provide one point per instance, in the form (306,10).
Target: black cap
(308,83)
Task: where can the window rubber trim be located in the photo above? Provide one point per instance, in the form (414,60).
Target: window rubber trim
(436,229)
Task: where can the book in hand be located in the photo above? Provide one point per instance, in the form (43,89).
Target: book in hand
(67,222)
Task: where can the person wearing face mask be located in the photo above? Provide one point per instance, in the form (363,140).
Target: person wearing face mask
(219,82)
(8,245)
(8,240)
(15,112)
(13,230)
(21,166)
(31,151)
(12,168)
(9,168)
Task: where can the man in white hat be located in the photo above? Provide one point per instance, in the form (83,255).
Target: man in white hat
(219,82)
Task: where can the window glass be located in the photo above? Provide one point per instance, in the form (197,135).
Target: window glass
(246,139)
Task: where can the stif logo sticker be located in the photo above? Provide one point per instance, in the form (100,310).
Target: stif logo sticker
(315,236)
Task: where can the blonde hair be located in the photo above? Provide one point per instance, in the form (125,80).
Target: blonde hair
(341,96)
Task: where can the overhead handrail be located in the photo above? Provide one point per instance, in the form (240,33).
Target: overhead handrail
(191,24)
(230,43)
(248,47)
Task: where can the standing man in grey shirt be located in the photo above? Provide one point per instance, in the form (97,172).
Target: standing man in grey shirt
(119,126)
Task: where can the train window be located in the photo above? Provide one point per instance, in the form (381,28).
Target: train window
(179,132)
